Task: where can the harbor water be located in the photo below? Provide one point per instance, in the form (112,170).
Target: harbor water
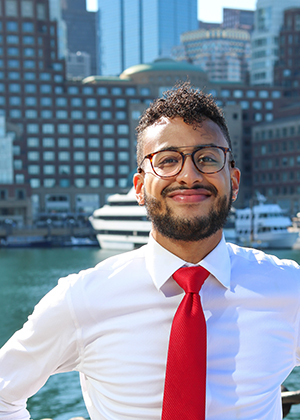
(29,273)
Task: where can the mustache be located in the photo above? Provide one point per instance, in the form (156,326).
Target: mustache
(210,188)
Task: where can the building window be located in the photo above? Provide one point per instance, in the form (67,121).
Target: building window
(11,7)
(73,90)
(76,115)
(123,129)
(130,91)
(27,8)
(91,102)
(116,91)
(49,169)
(75,102)
(94,156)
(105,102)
(63,128)
(123,143)
(94,142)
(35,183)
(12,39)
(15,113)
(79,142)
(64,170)
(79,183)
(45,101)
(123,156)
(87,90)
(18,164)
(30,88)
(48,142)
(121,115)
(106,115)
(61,114)
(123,169)
(94,183)
(93,129)
(79,169)
(49,183)
(12,26)
(46,114)
(145,91)
(79,156)
(33,169)
(109,169)
(48,128)
(63,142)
(64,183)
(91,115)
(31,113)
(32,128)
(109,156)
(33,142)
(78,129)
(61,102)
(108,129)
(109,183)
(108,143)
(102,91)
(63,156)
(28,27)
(48,156)
(94,170)
(33,155)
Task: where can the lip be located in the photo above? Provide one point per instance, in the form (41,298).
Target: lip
(190,196)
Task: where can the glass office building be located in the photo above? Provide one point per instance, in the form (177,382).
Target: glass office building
(139,31)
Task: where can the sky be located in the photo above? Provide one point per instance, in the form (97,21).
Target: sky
(211,12)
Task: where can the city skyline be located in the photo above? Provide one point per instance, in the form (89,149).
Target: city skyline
(206,13)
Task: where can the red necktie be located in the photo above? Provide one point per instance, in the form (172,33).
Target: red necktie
(185,383)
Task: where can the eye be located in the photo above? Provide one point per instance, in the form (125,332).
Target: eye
(163,160)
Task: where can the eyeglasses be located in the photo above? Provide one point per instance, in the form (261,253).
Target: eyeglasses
(169,163)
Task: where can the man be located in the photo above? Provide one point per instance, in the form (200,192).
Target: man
(112,323)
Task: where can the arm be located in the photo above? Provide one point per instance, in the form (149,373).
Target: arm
(46,344)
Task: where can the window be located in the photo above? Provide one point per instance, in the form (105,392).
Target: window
(48,155)
(244,104)
(91,102)
(49,183)
(121,115)
(105,102)
(94,142)
(48,142)
(79,169)
(33,169)
(108,129)
(63,128)
(46,101)
(250,94)
(94,183)
(12,26)
(28,27)
(34,183)
(123,129)
(94,156)
(91,115)
(120,103)
(32,128)
(73,90)
(123,143)
(63,156)
(31,113)
(79,183)
(13,64)
(64,170)
(79,156)
(257,105)
(107,143)
(12,75)
(87,90)
(20,179)
(78,129)
(49,169)
(33,142)
(93,129)
(263,94)
(109,169)
(45,89)
(15,100)
(28,40)
(61,114)
(76,115)
(17,164)
(13,51)
(238,94)
(27,8)
(225,93)
(46,114)
(123,156)
(15,113)
(109,183)
(63,142)
(135,115)
(109,156)
(12,39)
(30,88)
(78,142)
(106,115)
(130,91)
(102,90)
(48,128)
(29,52)
(29,76)
(145,91)
(116,91)
(123,169)
(33,155)
(76,102)
(94,169)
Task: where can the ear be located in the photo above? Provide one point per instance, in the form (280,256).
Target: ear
(235,176)
(138,182)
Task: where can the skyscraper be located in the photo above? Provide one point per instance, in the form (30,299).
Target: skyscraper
(269,16)
(139,31)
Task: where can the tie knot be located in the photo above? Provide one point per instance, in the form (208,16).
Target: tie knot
(191,279)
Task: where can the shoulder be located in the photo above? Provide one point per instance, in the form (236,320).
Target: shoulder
(261,263)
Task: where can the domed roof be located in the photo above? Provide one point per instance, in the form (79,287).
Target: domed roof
(161,64)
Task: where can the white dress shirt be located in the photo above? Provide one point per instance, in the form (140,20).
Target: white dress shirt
(112,323)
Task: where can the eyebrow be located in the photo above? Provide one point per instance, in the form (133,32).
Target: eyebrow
(176,148)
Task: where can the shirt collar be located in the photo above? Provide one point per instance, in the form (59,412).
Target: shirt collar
(161,263)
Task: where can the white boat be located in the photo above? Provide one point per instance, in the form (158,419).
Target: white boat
(121,223)
(264,226)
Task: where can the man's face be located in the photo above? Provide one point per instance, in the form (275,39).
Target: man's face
(189,206)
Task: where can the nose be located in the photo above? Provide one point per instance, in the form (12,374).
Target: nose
(189,174)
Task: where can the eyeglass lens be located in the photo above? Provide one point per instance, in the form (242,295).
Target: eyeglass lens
(207,160)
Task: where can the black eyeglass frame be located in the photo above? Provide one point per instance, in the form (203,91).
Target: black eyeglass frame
(183,155)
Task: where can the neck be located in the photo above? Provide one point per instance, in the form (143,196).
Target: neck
(193,251)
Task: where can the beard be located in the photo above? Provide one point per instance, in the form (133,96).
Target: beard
(185,228)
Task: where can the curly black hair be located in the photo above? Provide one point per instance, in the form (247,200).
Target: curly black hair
(186,102)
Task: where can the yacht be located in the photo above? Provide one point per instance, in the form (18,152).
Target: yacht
(121,223)
(264,226)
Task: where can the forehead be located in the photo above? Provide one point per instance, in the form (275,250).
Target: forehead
(166,133)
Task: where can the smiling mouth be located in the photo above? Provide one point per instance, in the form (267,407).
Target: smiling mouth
(200,191)
(190,195)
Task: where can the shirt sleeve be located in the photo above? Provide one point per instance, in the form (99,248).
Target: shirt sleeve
(47,344)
